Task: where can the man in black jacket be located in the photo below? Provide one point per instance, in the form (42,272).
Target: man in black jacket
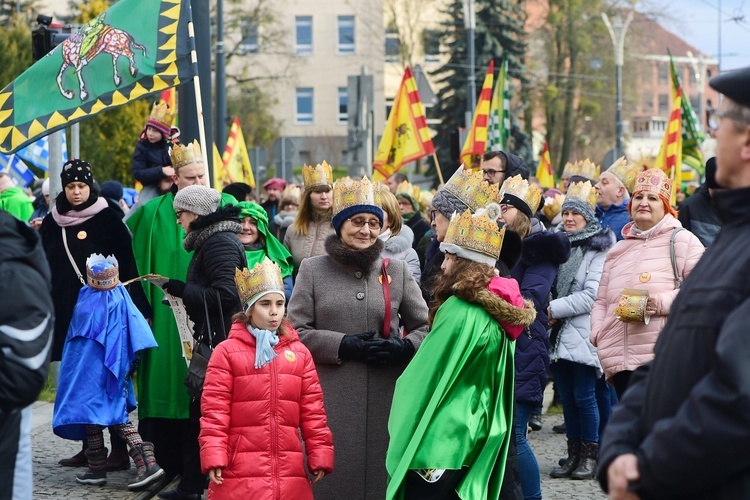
(698,214)
(682,430)
(26,320)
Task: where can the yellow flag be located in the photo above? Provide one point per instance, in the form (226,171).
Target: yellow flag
(220,175)
(544,170)
(236,159)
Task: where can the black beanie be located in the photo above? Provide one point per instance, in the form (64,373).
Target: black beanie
(77,171)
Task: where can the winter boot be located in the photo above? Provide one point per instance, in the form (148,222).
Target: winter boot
(148,471)
(96,474)
(587,465)
(535,421)
(571,463)
(118,459)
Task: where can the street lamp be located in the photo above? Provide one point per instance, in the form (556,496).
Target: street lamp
(470,25)
(699,69)
(617,30)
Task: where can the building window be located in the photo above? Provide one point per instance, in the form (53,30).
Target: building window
(431,45)
(343,105)
(663,104)
(303,44)
(392,46)
(648,104)
(304,112)
(695,101)
(346,35)
(249,44)
(663,72)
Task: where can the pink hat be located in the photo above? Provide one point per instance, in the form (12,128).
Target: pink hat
(275,183)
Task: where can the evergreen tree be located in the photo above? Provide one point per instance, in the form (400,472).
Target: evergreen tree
(499,30)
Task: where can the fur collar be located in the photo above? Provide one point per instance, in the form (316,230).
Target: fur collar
(603,240)
(401,242)
(505,312)
(545,246)
(359,260)
(224,219)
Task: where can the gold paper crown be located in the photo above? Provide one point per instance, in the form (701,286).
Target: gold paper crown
(585,168)
(292,192)
(378,188)
(477,233)
(654,180)
(320,175)
(407,188)
(625,172)
(553,205)
(583,191)
(470,187)
(161,113)
(530,194)
(347,193)
(264,277)
(185,155)
(102,273)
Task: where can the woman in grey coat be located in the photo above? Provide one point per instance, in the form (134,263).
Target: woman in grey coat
(574,362)
(339,309)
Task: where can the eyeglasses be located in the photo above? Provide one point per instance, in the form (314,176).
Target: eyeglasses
(714,120)
(360,223)
(178,213)
(492,172)
(433,213)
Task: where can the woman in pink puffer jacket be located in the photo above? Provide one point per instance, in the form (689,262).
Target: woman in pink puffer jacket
(641,260)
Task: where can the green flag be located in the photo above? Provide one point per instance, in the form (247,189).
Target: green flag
(135,48)
(499,129)
(692,135)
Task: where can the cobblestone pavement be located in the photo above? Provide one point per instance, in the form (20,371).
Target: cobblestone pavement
(52,481)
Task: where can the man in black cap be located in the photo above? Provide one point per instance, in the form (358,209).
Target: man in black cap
(697,213)
(681,429)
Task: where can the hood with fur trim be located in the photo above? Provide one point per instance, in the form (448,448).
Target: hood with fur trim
(545,246)
(603,240)
(506,314)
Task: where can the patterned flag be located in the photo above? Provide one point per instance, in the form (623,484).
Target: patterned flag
(220,175)
(38,153)
(236,160)
(406,137)
(17,169)
(692,135)
(669,158)
(476,142)
(544,170)
(77,79)
(500,111)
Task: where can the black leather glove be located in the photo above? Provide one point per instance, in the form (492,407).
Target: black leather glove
(174,287)
(390,351)
(354,347)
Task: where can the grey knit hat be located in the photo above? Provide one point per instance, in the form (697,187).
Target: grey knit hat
(447,204)
(200,200)
(581,207)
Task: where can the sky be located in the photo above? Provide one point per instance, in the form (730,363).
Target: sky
(697,22)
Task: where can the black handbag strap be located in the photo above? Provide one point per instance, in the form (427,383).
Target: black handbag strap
(209,333)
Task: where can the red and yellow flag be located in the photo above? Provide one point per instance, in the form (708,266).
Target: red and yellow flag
(669,158)
(220,175)
(406,137)
(544,170)
(236,160)
(476,141)
(170,97)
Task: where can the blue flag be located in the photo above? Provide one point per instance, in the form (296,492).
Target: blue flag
(38,153)
(17,169)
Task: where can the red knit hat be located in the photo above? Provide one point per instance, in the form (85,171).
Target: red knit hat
(161,119)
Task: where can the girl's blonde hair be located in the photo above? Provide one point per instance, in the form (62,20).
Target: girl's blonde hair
(521,225)
(466,280)
(389,204)
(305,212)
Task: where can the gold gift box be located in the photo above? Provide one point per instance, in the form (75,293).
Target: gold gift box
(632,306)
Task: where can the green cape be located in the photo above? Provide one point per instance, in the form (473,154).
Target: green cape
(453,405)
(14,201)
(273,247)
(157,245)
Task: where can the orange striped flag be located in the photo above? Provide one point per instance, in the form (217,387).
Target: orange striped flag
(406,137)
(476,142)
(236,158)
(170,97)
(544,170)
(669,158)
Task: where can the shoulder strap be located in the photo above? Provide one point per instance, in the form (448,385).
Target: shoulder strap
(387,299)
(677,277)
(70,257)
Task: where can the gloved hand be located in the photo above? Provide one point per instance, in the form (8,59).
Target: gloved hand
(174,287)
(354,347)
(390,351)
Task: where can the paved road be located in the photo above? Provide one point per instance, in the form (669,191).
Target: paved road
(53,481)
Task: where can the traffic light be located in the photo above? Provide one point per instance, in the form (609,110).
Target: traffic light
(47,36)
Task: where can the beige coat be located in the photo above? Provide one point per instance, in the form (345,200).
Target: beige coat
(329,301)
(302,247)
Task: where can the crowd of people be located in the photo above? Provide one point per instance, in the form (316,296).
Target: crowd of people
(359,340)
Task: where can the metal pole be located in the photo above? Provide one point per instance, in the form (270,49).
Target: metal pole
(617,33)
(618,110)
(55,166)
(221,96)
(75,140)
(470,24)
(718,54)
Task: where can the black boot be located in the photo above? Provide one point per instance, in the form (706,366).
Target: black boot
(148,471)
(96,474)
(569,465)
(587,465)
(535,421)
(178,494)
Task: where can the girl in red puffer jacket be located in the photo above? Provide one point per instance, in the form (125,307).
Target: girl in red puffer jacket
(261,389)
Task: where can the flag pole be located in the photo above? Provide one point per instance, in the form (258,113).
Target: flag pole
(198,101)
(437,168)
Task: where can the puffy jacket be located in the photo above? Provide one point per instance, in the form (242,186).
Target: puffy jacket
(574,310)
(615,217)
(252,418)
(639,261)
(543,252)
(148,160)
(400,247)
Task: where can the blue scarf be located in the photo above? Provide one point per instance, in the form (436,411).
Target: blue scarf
(264,340)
